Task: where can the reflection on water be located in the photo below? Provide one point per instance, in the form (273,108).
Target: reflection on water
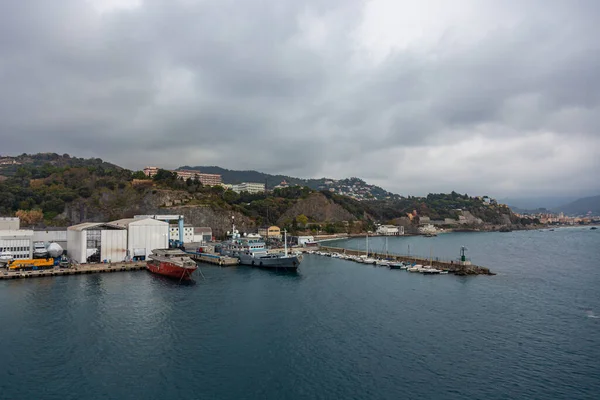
(334,329)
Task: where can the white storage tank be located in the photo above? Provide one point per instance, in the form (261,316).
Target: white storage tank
(96,242)
(144,235)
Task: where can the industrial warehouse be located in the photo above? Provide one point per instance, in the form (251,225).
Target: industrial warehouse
(123,240)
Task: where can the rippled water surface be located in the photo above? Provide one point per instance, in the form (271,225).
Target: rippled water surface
(335,330)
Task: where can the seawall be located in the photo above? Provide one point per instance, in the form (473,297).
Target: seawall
(455,267)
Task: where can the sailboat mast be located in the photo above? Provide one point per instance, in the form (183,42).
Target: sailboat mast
(367,244)
(285,241)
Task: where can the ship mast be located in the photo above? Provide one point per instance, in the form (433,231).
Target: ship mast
(285,241)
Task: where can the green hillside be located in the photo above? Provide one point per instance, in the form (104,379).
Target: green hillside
(62,190)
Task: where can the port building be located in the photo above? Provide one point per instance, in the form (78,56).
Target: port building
(143,236)
(202,234)
(97,242)
(270,232)
(188,233)
(51,235)
(390,230)
(18,242)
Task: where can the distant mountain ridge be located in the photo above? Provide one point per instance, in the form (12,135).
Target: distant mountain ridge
(581,206)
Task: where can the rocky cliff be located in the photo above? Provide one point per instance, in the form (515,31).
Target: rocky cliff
(317,207)
(115,205)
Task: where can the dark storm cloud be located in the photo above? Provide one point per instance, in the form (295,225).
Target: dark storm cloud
(290,87)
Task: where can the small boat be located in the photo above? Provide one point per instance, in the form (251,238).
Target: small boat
(444,272)
(395,265)
(173,263)
(593,228)
(39,250)
(429,270)
(415,268)
(6,257)
(383,263)
(368,260)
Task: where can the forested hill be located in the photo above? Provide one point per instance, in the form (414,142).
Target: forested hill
(59,190)
(35,163)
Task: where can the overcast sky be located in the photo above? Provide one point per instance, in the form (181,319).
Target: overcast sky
(484,97)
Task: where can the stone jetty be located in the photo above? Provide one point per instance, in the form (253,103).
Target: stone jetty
(455,267)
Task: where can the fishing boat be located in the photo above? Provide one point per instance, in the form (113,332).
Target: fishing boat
(173,263)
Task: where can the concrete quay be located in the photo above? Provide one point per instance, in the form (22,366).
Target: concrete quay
(78,270)
(455,267)
(222,261)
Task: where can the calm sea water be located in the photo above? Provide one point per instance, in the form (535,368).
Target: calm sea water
(335,330)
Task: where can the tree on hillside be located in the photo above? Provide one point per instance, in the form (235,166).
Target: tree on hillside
(30,217)
(302,219)
(139,175)
(164,175)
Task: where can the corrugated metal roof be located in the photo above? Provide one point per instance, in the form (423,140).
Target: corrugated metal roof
(97,225)
(138,221)
(123,222)
(199,230)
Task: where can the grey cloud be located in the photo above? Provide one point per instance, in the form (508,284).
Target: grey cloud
(241,85)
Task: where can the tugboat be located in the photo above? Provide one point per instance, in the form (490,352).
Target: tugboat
(173,263)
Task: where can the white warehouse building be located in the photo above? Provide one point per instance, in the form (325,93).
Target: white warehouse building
(144,235)
(96,242)
(18,242)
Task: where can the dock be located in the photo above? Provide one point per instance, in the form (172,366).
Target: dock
(78,270)
(216,259)
(455,267)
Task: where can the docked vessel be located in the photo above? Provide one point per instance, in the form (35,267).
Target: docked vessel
(39,250)
(251,250)
(173,263)
(5,257)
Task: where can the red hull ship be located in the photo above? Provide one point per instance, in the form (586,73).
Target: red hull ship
(172,263)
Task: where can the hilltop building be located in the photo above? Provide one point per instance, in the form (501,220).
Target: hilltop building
(205,179)
(250,187)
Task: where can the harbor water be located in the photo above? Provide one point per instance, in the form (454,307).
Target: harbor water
(334,330)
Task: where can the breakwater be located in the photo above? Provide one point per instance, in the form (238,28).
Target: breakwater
(455,267)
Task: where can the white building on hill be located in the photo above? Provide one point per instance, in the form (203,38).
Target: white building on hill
(250,187)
